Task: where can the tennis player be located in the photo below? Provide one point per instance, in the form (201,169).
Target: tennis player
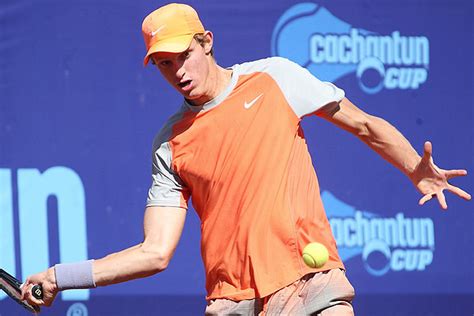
(236,145)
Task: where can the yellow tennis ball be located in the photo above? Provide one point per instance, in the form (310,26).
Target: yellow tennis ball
(315,255)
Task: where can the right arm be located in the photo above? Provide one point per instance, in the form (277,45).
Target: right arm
(162,230)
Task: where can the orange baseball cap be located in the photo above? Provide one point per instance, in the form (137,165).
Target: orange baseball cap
(170,29)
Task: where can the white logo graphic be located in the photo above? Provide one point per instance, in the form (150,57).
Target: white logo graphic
(249,105)
(157,30)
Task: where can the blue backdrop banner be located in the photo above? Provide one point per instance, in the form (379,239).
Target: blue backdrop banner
(78,113)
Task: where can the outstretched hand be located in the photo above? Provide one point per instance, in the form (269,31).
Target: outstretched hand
(431,180)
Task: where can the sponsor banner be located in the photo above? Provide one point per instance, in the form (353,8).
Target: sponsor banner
(385,244)
(331,48)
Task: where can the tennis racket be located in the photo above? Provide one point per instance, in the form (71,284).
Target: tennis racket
(10,285)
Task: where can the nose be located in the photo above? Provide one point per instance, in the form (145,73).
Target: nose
(180,70)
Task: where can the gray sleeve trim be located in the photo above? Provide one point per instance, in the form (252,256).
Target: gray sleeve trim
(165,204)
(167,188)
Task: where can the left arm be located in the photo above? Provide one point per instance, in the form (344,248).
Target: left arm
(389,143)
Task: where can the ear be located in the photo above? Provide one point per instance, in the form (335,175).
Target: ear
(208,42)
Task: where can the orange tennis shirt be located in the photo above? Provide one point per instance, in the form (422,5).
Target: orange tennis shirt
(244,160)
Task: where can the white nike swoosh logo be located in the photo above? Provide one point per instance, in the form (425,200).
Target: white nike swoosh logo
(249,105)
(157,30)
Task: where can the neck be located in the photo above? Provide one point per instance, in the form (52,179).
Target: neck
(217,80)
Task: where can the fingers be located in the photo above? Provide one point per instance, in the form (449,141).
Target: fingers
(455,173)
(425,199)
(428,150)
(442,200)
(49,288)
(427,158)
(461,193)
(27,293)
(439,195)
(24,288)
(28,296)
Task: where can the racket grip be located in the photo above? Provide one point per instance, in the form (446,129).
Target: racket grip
(37,291)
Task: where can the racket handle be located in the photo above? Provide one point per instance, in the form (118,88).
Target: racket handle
(37,291)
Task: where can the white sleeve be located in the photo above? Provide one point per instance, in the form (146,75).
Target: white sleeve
(304,92)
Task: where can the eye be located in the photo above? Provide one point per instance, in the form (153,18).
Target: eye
(164,63)
(185,55)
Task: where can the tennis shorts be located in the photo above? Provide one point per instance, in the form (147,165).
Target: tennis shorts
(323,294)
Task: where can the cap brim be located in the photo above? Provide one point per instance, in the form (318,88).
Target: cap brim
(176,44)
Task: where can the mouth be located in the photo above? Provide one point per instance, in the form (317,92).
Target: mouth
(184,84)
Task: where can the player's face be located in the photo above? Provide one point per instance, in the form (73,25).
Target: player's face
(187,72)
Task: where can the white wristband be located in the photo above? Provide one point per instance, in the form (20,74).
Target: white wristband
(77,275)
